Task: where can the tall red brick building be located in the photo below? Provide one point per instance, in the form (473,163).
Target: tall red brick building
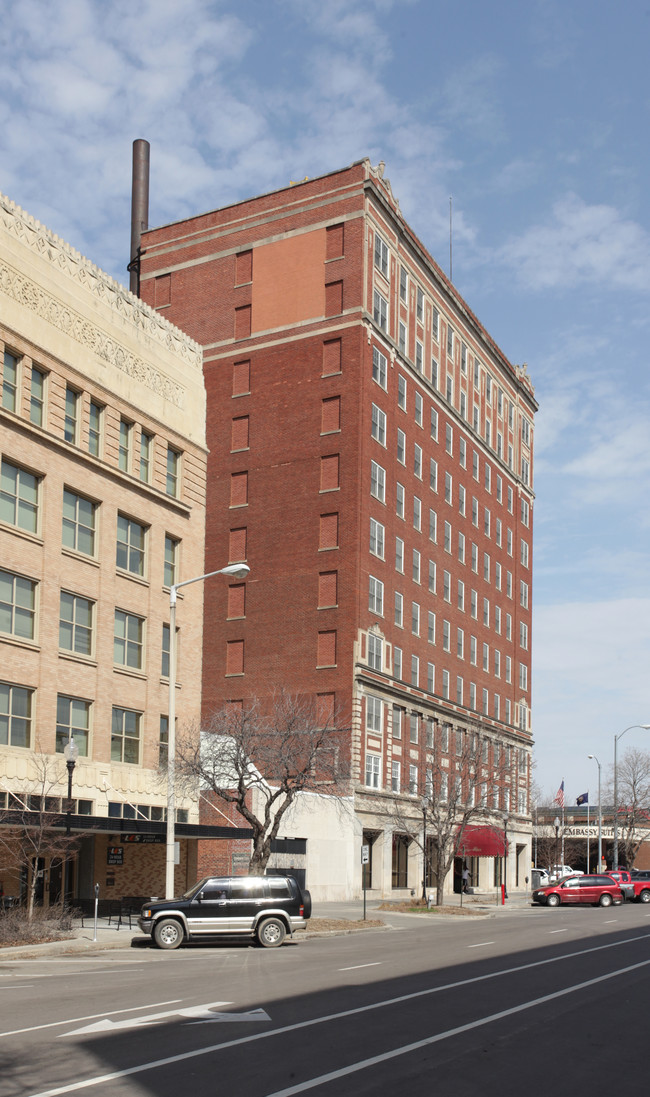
(371,459)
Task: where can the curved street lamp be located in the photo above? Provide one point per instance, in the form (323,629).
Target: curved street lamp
(600,818)
(234,571)
(645,727)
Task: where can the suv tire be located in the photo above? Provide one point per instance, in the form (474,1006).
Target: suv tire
(168,933)
(271,932)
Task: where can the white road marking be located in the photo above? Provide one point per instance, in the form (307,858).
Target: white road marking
(356,967)
(481,944)
(21,986)
(106,1025)
(73,1020)
(406,1049)
(250,1015)
(552,931)
(87,1083)
(610,921)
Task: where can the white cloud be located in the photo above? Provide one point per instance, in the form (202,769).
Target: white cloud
(581,243)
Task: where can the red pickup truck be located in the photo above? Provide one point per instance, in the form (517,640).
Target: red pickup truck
(635,888)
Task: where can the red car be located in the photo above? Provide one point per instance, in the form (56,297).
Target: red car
(595,890)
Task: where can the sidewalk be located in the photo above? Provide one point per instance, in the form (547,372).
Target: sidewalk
(113,936)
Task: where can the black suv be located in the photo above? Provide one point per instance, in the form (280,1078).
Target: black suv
(265,908)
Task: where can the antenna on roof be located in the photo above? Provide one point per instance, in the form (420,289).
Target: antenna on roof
(450,205)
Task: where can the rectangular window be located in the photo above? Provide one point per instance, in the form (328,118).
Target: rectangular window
(373,714)
(523,635)
(10,382)
(486,567)
(146,450)
(523,676)
(15,715)
(417,513)
(95,425)
(401,447)
(431,681)
(397,662)
(375,652)
(419,304)
(508,669)
(508,627)
(472,650)
(446,636)
(474,558)
(431,626)
(450,341)
(474,604)
(461,547)
(462,500)
(486,612)
(416,566)
(401,392)
(399,555)
(395,776)
(497,576)
(417,461)
(379,367)
(523,594)
(524,553)
(378,426)
(413,780)
(462,453)
(376,538)
(419,356)
(128,640)
(79,523)
(419,408)
(449,488)
(163,742)
(525,512)
(373,771)
(486,521)
(377,482)
(72,722)
(76,623)
(461,595)
(432,576)
(460,643)
(17,606)
(125,736)
(486,657)
(414,720)
(131,544)
(381,255)
(449,438)
(37,397)
(124,446)
(415,618)
(447,536)
(445,685)
(398,714)
(380,310)
(166,651)
(446,586)
(171,561)
(401,339)
(172,481)
(375,595)
(415,671)
(403,283)
(433,474)
(433,525)
(400,496)
(434,424)
(399,609)
(497,663)
(435,323)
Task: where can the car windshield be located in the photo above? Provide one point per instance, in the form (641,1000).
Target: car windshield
(195,888)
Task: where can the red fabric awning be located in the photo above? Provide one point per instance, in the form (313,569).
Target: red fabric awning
(481,842)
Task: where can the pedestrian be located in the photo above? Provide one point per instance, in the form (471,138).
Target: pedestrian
(465,878)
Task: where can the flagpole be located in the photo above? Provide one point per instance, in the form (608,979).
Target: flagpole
(563,799)
(588,833)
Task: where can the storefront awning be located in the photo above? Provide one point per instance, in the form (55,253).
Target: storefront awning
(482,841)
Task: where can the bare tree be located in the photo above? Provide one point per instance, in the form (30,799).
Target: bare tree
(259,760)
(454,796)
(633,794)
(33,828)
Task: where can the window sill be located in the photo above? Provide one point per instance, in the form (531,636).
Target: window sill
(17,641)
(82,556)
(128,673)
(132,577)
(74,657)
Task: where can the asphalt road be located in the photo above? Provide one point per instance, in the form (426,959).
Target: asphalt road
(453,1005)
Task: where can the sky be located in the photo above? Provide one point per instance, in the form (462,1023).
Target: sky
(534,117)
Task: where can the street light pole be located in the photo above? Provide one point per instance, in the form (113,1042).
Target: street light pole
(556,824)
(70,753)
(645,727)
(234,571)
(424,849)
(600,818)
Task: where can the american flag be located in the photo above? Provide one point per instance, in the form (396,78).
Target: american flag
(559,799)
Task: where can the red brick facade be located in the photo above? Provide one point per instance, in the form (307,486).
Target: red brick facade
(368,443)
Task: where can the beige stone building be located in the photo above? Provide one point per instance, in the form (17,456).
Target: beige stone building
(102,507)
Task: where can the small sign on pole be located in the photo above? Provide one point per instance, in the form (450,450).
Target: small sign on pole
(365,860)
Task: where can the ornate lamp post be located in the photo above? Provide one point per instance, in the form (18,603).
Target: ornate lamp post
(70,753)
